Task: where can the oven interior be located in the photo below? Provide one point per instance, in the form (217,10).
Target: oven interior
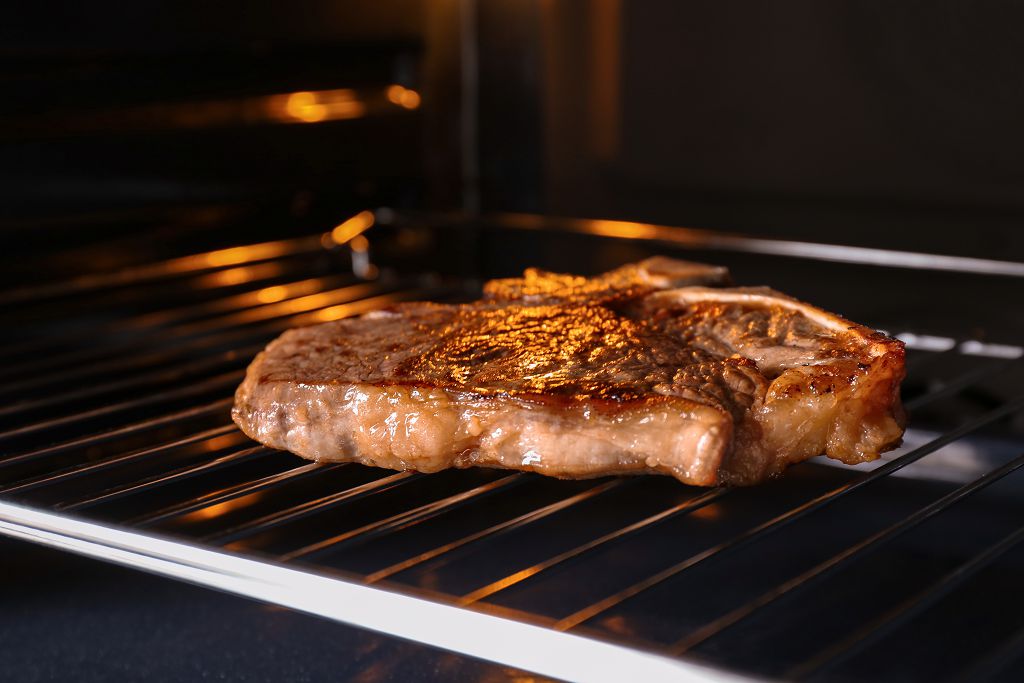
(118,386)
(181,182)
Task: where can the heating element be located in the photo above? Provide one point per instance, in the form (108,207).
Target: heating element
(116,442)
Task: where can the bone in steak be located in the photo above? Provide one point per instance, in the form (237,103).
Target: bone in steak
(646,369)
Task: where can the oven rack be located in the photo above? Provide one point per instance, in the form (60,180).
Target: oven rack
(116,442)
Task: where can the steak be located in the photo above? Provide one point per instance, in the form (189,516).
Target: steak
(646,369)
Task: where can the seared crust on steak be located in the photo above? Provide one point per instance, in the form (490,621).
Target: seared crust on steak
(630,281)
(577,377)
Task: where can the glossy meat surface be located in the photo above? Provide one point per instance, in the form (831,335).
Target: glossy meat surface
(641,370)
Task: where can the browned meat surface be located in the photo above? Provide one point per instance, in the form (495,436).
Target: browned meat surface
(641,370)
(628,282)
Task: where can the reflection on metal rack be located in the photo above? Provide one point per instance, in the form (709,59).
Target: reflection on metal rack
(301,107)
(713,239)
(131,427)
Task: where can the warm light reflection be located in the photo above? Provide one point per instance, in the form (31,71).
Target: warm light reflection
(306,303)
(356,225)
(403,97)
(302,107)
(237,276)
(225,441)
(500,585)
(275,293)
(332,313)
(708,512)
(623,229)
(309,106)
(359,244)
(231,257)
(302,304)
(345,310)
(212,511)
(235,255)
(269,295)
(628,230)
(618,625)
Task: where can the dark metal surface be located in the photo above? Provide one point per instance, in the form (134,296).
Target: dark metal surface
(116,409)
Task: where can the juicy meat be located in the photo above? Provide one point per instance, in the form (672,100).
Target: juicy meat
(641,370)
(627,282)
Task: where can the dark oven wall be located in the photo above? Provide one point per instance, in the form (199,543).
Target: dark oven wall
(158,128)
(892,124)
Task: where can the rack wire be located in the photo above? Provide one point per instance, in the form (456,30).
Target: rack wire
(116,441)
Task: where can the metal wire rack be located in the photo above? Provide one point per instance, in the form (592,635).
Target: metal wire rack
(116,441)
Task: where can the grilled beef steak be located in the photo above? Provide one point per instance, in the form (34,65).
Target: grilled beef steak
(641,370)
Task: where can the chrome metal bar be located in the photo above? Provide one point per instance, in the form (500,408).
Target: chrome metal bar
(686,506)
(906,610)
(407,518)
(786,518)
(715,240)
(166,478)
(503,527)
(849,554)
(516,644)
(723,241)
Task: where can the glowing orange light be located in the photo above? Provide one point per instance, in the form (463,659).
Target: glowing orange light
(395,93)
(410,99)
(707,512)
(219,509)
(308,106)
(220,442)
(403,97)
(229,277)
(359,244)
(352,227)
(236,255)
(227,257)
(623,229)
(304,106)
(306,303)
(269,295)
(289,307)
